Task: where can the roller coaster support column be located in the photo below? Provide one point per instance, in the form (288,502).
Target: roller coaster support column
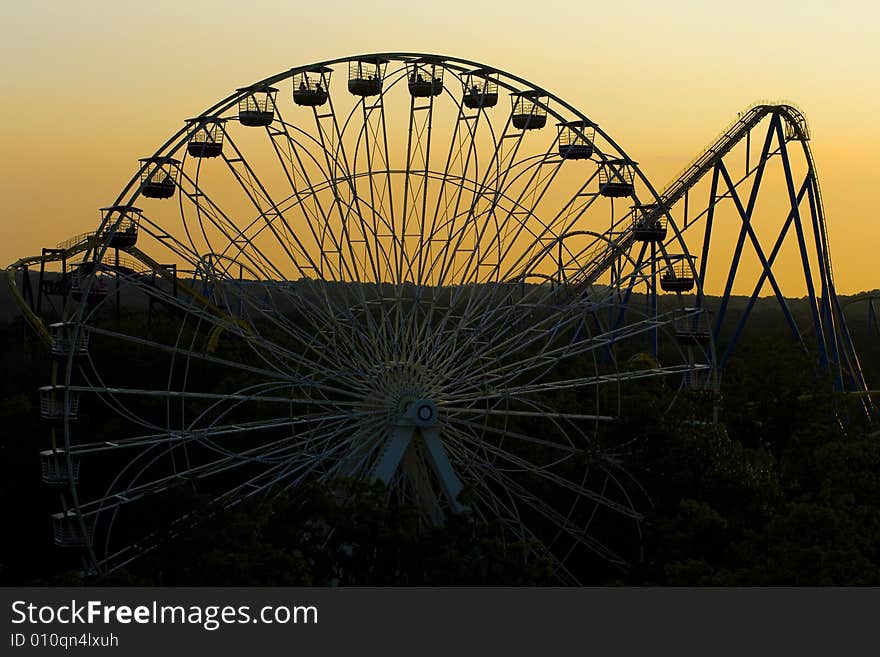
(776,122)
(655,333)
(747,230)
(707,236)
(48,252)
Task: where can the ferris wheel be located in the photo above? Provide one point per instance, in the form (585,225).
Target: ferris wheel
(410,275)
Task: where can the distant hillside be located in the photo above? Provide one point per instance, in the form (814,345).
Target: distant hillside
(766,319)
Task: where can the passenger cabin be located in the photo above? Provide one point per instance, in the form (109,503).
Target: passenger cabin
(311,87)
(120,226)
(616,178)
(649,223)
(158,176)
(256,108)
(56,405)
(480,88)
(54,467)
(424,77)
(206,138)
(678,275)
(365,76)
(68,529)
(67,341)
(529,109)
(693,327)
(84,284)
(576,140)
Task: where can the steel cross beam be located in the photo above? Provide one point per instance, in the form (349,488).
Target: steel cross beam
(747,229)
(799,229)
(760,284)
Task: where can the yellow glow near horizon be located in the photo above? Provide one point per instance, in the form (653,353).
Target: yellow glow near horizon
(90,86)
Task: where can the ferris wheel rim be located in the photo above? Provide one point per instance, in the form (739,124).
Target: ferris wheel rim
(178,141)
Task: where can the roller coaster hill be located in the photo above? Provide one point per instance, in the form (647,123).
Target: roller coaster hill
(431,289)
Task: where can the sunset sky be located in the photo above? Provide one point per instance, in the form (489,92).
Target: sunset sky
(90,86)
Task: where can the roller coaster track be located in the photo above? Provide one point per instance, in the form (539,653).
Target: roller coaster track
(67,249)
(620,242)
(620,239)
(83,243)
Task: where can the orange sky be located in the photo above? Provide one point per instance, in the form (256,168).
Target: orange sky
(90,86)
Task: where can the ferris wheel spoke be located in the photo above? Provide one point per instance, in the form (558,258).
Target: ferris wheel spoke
(415,207)
(562,522)
(534,188)
(488,184)
(129,552)
(381,183)
(498,239)
(535,350)
(190,353)
(458,144)
(476,303)
(269,212)
(186,254)
(257,484)
(313,341)
(538,414)
(364,445)
(514,314)
(446,340)
(310,445)
(332,354)
(286,474)
(324,224)
(569,214)
(506,511)
(299,357)
(480,345)
(290,153)
(374,138)
(416,184)
(185,394)
(239,240)
(317,313)
(456,418)
(110,397)
(344,452)
(499,454)
(228,461)
(497,187)
(355,226)
(115,404)
(345,199)
(112,502)
(444,261)
(585,382)
(184,435)
(510,354)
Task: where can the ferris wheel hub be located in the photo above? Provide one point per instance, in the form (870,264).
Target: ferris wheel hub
(420,412)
